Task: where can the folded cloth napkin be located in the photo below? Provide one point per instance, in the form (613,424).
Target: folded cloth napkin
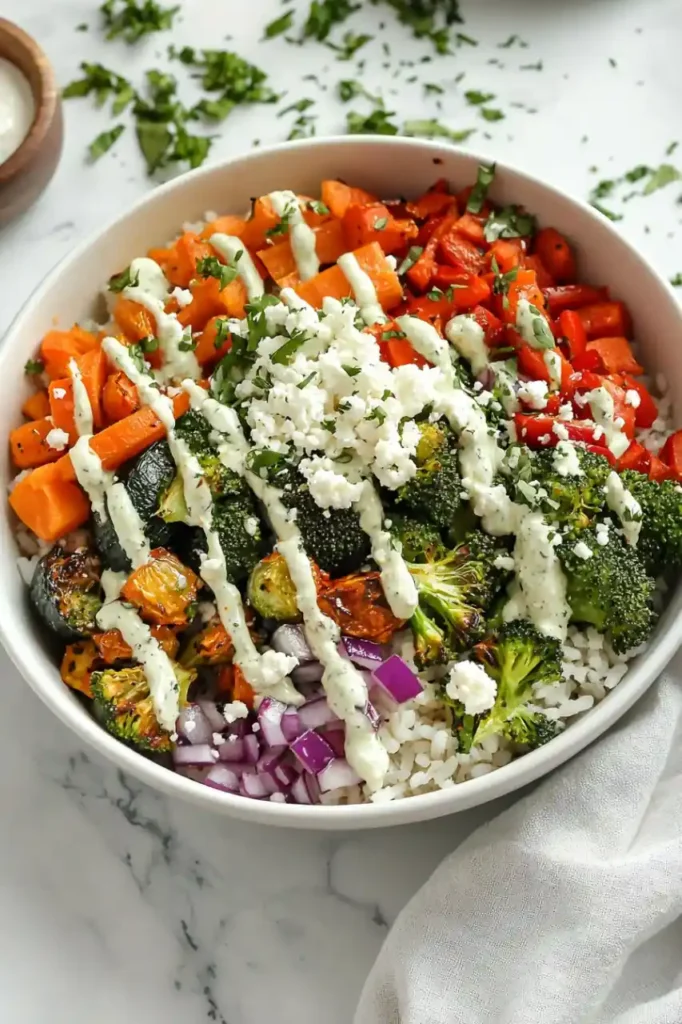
(567,908)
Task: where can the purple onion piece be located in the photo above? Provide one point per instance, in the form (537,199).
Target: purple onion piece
(241,727)
(291,724)
(201,755)
(336,774)
(231,750)
(251,749)
(398,679)
(365,653)
(193,725)
(308,672)
(291,640)
(254,786)
(373,715)
(336,738)
(222,777)
(313,787)
(241,768)
(285,775)
(316,713)
(210,709)
(268,761)
(299,791)
(270,715)
(312,751)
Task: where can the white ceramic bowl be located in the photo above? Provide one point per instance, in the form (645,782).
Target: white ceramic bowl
(388,167)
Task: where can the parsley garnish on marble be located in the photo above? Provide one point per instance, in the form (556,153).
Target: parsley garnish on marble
(131,20)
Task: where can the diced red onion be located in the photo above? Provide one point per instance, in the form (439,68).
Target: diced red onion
(221,777)
(299,791)
(231,750)
(241,727)
(313,787)
(270,715)
(365,653)
(285,775)
(291,724)
(336,774)
(313,752)
(308,672)
(487,378)
(242,768)
(268,761)
(398,679)
(194,726)
(254,786)
(336,738)
(315,713)
(291,640)
(200,755)
(217,720)
(251,749)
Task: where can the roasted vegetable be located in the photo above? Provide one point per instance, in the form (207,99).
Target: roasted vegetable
(125,707)
(112,647)
(239,528)
(660,539)
(211,646)
(65,591)
(435,492)
(358,606)
(419,541)
(195,430)
(79,662)
(164,590)
(271,590)
(539,479)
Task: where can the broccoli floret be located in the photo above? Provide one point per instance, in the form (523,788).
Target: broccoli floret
(660,539)
(125,708)
(239,529)
(568,500)
(463,725)
(530,727)
(333,538)
(517,657)
(195,430)
(435,492)
(271,590)
(610,590)
(420,541)
(453,593)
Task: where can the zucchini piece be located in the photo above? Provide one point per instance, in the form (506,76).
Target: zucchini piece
(66,593)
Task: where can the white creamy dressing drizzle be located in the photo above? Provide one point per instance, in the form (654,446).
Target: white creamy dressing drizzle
(426,340)
(565,459)
(90,474)
(468,338)
(127,524)
(627,508)
(552,361)
(17,108)
(539,589)
(82,410)
(301,236)
(603,413)
(345,688)
(152,291)
(158,668)
(363,289)
(229,248)
(396,580)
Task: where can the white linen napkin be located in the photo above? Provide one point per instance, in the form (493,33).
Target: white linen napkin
(567,908)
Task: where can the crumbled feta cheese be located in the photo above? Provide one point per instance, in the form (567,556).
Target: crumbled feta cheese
(251,526)
(633,398)
(581,550)
(471,684)
(566,461)
(59,392)
(182,296)
(237,709)
(57,439)
(602,534)
(560,430)
(566,411)
(505,562)
(533,393)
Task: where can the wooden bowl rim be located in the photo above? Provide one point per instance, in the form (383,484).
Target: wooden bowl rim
(46,101)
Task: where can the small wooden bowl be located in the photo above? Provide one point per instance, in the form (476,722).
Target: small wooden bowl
(28,170)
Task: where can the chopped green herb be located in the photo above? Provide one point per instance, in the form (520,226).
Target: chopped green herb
(329,425)
(388,335)
(104,84)
(637,173)
(227,72)
(606,212)
(104,141)
(479,192)
(224,273)
(463,40)
(284,223)
(538,66)
(510,42)
(260,462)
(376,123)
(502,281)
(304,383)
(676,281)
(132,20)
(284,353)
(353,371)
(350,45)
(380,223)
(279,25)
(150,344)
(318,207)
(187,343)
(126,279)
(350,89)
(34,367)
(83,27)
(476,98)
(413,254)
(660,177)
(432,87)
(612,62)
(300,106)
(222,332)
(324,14)
(491,115)
(671,148)
(377,414)
(509,222)
(432,129)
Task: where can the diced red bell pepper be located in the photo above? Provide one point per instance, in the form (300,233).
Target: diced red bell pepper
(463,293)
(524,286)
(459,253)
(471,226)
(432,204)
(532,364)
(579,383)
(615,355)
(373,222)
(588,361)
(556,254)
(659,470)
(572,331)
(545,279)
(538,431)
(573,296)
(637,457)
(399,352)
(493,328)
(598,449)
(420,275)
(605,320)
(671,453)
(647,410)
(507,253)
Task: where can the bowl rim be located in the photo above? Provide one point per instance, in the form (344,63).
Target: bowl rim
(518,773)
(46,102)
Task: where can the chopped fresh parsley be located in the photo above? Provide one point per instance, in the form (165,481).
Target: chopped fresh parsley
(34,367)
(306,381)
(490,114)
(290,347)
(430,128)
(284,223)
(380,223)
(324,14)
(670,149)
(479,193)
(351,43)
(263,461)
(126,279)
(350,89)
(104,141)
(676,281)
(228,73)
(413,254)
(502,281)
(318,207)
(510,42)
(660,177)
(187,342)
(224,273)
(376,123)
(477,98)
(105,84)
(433,87)
(279,25)
(509,222)
(388,335)
(300,106)
(222,332)
(133,19)
(377,414)
(353,371)
(538,66)
(426,18)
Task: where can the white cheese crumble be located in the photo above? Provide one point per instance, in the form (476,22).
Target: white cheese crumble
(237,709)
(633,398)
(57,439)
(471,684)
(533,393)
(582,550)
(566,461)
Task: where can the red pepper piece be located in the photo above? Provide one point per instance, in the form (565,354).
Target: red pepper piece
(658,470)
(461,254)
(573,296)
(671,453)
(421,274)
(605,320)
(615,355)
(572,331)
(636,457)
(493,328)
(556,254)
(647,410)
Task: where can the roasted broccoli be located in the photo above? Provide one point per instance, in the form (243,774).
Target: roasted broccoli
(333,538)
(420,541)
(435,492)
(454,592)
(660,539)
(125,707)
(610,589)
(195,430)
(539,479)
(271,590)
(239,528)
(517,657)
(463,725)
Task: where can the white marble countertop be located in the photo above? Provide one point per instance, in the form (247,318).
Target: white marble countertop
(116,903)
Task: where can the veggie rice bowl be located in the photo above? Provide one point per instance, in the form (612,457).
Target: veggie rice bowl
(360,498)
